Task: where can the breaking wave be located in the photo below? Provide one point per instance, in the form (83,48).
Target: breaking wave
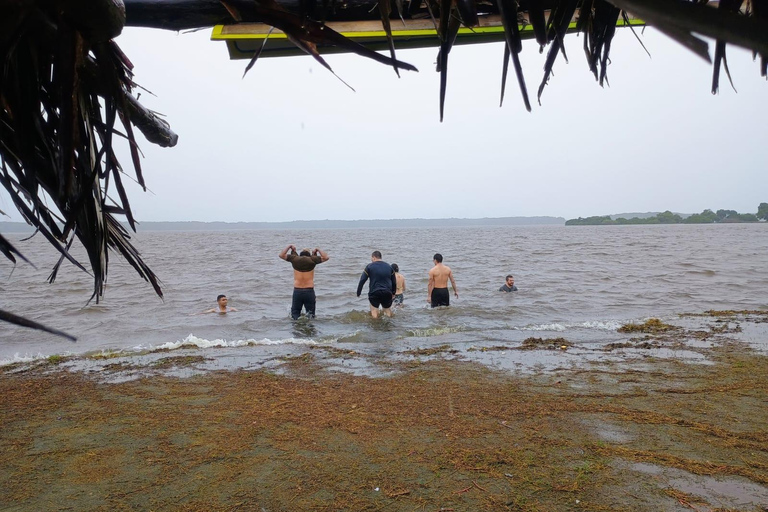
(194,341)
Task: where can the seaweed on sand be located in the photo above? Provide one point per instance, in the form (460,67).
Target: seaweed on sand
(430,351)
(650,326)
(449,435)
(545,343)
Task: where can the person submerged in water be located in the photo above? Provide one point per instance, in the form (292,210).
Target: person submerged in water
(437,288)
(398,300)
(303,278)
(381,289)
(221,306)
(509,285)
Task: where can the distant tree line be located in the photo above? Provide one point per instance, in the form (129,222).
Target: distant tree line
(667,217)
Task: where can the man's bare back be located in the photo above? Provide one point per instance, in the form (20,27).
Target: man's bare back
(303,279)
(437,287)
(440,274)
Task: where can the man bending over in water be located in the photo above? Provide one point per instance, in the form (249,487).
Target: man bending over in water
(381,289)
(303,278)
(437,289)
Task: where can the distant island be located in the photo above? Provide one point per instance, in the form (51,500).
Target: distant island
(21,227)
(667,217)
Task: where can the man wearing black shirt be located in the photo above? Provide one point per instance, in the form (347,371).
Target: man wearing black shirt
(382,287)
(509,286)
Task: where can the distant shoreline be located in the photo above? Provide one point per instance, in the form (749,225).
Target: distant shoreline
(667,217)
(21,227)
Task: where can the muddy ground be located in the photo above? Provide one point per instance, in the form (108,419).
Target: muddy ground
(433,434)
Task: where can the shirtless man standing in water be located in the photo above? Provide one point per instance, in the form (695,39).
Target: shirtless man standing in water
(303,278)
(437,289)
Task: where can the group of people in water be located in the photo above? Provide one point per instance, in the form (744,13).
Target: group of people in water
(386,286)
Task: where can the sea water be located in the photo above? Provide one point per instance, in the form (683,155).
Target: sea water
(579,283)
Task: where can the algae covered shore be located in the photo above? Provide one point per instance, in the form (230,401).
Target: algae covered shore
(434,430)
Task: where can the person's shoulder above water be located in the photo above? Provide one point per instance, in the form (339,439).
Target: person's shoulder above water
(509,284)
(221,307)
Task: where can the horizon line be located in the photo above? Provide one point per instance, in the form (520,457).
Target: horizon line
(331,220)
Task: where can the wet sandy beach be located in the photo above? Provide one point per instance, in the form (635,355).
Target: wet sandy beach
(432,427)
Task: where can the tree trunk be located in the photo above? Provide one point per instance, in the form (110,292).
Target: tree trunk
(97,21)
(175,14)
(189,14)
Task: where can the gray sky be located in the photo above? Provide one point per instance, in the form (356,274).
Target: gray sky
(291,142)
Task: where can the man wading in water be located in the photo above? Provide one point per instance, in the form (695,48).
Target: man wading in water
(303,278)
(437,289)
(381,289)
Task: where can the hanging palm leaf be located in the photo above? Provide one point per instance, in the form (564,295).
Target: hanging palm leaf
(63,86)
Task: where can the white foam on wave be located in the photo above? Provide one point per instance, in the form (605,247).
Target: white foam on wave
(435,331)
(26,358)
(194,341)
(602,325)
(543,327)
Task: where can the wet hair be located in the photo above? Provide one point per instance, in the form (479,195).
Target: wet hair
(220,297)
(508,276)
(438,257)
(395,267)
(376,254)
(305,252)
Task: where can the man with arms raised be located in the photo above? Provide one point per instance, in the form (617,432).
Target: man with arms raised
(437,289)
(303,278)
(381,289)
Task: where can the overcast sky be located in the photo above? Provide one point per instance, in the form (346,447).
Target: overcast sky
(291,142)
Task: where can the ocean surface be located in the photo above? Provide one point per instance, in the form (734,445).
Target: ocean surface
(580,283)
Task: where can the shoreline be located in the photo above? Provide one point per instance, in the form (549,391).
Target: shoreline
(506,350)
(436,431)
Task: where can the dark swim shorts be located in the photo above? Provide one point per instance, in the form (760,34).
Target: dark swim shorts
(398,300)
(303,297)
(440,297)
(380,298)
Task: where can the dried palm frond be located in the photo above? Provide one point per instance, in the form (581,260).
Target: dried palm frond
(18,320)
(385,9)
(305,33)
(514,45)
(597,19)
(720,58)
(549,19)
(64,85)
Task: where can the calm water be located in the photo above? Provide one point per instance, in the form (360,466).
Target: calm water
(577,282)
